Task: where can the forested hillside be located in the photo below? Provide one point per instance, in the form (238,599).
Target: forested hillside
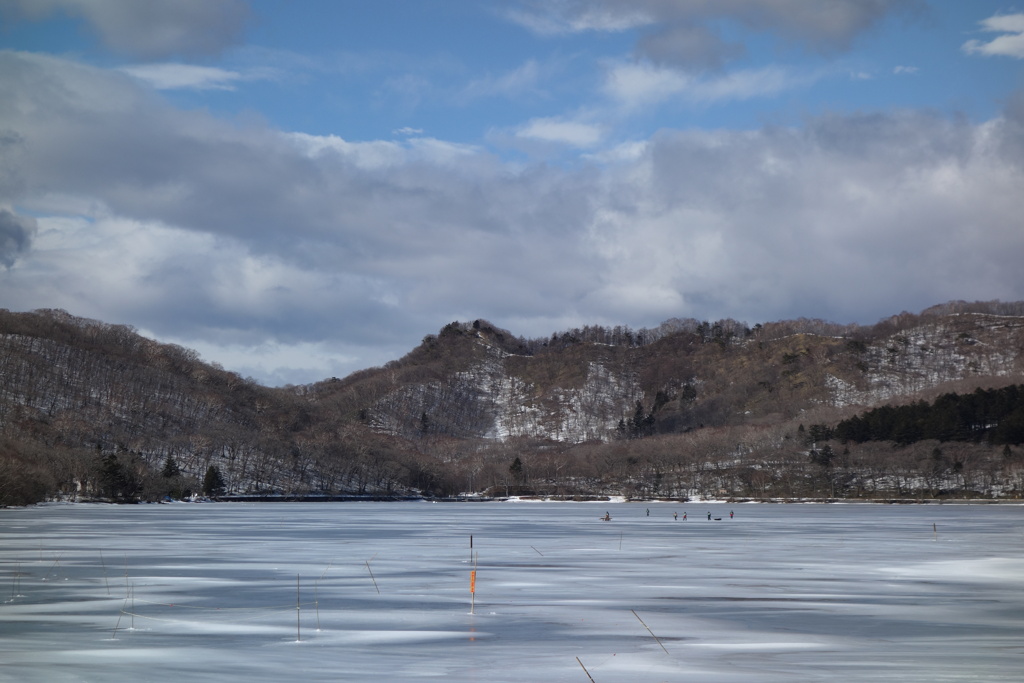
(690,408)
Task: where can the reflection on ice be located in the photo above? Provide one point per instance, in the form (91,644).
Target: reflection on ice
(1000,570)
(380,592)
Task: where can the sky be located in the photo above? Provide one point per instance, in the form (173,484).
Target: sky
(302,189)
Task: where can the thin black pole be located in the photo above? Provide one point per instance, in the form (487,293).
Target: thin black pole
(656,639)
(585,671)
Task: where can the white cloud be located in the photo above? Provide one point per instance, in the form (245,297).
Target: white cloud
(382,154)
(377,154)
(275,363)
(269,245)
(905,70)
(639,84)
(517,82)
(623,152)
(1010,44)
(827,26)
(1007,23)
(609,20)
(441,152)
(552,17)
(643,83)
(750,83)
(561,131)
(172,76)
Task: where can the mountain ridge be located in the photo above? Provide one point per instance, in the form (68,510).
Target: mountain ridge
(453,414)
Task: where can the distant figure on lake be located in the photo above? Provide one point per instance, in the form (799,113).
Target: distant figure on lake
(730,514)
(684,516)
(607,517)
(648,512)
(675,516)
(709,516)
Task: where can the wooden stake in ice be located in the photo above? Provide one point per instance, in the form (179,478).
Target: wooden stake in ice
(371,577)
(121,614)
(649,630)
(316,603)
(472,587)
(586,672)
(56,564)
(105,579)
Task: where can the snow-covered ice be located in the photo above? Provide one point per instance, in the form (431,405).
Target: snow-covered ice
(380,592)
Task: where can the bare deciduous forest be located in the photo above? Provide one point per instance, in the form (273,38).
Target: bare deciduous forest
(689,409)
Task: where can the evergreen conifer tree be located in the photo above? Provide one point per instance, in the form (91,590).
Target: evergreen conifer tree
(516,470)
(213,482)
(171,468)
(116,481)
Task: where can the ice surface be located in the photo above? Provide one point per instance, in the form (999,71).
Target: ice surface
(209,592)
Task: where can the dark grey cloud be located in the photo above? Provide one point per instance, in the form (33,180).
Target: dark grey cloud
(16,234)
(12,148)
(688,44)
(149,29)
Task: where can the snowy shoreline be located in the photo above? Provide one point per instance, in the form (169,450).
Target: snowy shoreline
(611,500)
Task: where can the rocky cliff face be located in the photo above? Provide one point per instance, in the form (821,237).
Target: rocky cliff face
(948,349)
(592,391)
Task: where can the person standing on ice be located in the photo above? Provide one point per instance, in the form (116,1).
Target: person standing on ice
(684,516)
(709,516)
(675,516)
(648,512)
(730,514)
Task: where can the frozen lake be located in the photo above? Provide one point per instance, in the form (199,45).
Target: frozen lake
(381,592)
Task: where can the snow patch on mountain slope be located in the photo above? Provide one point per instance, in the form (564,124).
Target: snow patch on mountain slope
(923,358)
